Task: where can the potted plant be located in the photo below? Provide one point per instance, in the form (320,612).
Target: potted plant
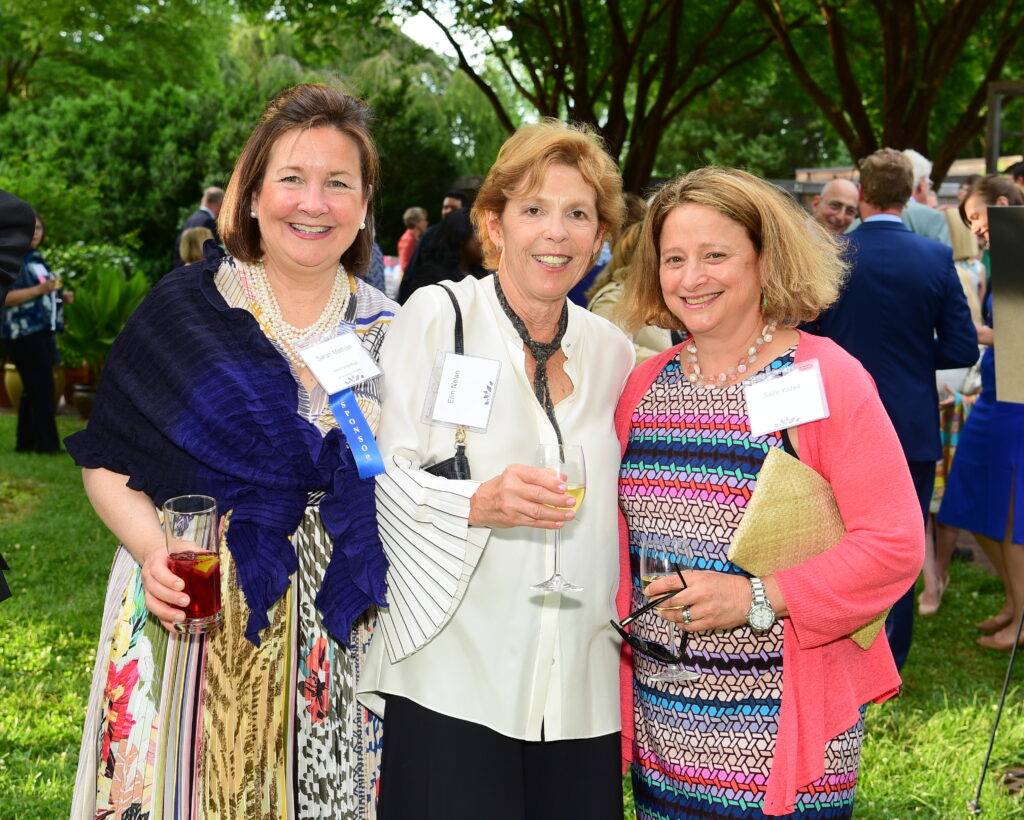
(104,299)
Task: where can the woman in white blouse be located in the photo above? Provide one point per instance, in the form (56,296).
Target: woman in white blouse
(502,701)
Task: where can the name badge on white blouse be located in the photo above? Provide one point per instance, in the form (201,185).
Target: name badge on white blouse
(796,395)
(339,363)
(461,392)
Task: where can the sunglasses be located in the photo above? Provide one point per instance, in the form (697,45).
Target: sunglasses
(652,649)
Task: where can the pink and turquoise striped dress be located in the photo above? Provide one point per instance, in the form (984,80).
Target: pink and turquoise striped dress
(703,749)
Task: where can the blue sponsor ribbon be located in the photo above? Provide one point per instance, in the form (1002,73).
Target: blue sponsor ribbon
(358,434)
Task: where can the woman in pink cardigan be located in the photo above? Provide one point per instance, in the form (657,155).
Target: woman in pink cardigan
(773,724)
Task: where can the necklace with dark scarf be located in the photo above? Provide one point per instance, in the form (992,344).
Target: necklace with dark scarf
(541,353)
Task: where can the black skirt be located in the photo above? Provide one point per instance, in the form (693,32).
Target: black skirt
(436,767)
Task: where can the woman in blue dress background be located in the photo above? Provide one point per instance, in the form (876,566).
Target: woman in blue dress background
(985,490)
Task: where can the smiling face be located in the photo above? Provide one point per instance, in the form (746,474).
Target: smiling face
(548,237)
(710,276)
(976,212)
(836,207)
(311,201)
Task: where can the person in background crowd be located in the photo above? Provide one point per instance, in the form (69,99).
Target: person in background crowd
(452,200)
(501,700)
(415,220)
(205,392)
(190,249)
(773,723)
(607,293)
(918,214)
(33,315)
(1016,172)
(205,217)
(984,492)
(580,294)
(903,315)
(17,227)
(836,206)
(957,393)
(454,255)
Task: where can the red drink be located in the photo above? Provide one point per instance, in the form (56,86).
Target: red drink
(201,573)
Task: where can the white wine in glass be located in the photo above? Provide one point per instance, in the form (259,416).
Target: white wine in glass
(660,557)
(565,460)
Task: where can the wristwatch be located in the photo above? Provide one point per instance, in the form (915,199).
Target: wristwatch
(761,615)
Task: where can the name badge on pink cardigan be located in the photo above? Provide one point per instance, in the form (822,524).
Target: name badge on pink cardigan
(789,397)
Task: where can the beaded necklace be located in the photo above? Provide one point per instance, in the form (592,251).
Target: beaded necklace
(737,371)
(288,335)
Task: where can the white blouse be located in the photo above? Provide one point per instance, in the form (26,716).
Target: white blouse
(464,634)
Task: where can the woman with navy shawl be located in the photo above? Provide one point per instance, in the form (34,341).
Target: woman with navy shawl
(206,392)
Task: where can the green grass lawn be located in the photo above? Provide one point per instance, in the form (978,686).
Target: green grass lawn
(922,754)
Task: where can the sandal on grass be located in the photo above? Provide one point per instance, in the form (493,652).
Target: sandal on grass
(1013,779)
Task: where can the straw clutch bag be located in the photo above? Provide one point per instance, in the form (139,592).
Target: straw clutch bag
(792,516)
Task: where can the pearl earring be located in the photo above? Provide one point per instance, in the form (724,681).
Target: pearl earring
(252,214)
(362,226)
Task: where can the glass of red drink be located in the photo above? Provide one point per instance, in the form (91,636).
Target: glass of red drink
(191,529)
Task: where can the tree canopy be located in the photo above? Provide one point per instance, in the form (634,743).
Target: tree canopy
(900,73)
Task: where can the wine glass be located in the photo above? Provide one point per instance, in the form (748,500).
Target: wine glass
(565,460)
(660,557)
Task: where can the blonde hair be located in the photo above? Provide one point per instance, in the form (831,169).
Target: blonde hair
(190,248)
(801,267)
(524,160)
(622,254)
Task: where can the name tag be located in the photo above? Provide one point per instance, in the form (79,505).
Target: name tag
(794,397)
(339,363)
(461,392)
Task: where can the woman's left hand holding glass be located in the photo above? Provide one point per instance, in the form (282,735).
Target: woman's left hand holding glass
(716,600)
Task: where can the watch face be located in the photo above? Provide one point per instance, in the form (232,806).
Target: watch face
(761,618)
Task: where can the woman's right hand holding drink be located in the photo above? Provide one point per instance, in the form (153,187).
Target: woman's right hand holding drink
(191,528)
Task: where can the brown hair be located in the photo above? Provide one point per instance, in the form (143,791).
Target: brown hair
(990,188)
(525,158)
(190,248)
(800,263)
(305,106)
(886,179)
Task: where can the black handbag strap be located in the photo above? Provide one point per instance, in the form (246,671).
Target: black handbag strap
(458,319)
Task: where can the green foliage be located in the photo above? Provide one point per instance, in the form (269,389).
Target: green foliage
(104,301)
(73,262)
(56,47)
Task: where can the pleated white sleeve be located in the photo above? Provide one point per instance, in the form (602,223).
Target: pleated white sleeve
(431,548)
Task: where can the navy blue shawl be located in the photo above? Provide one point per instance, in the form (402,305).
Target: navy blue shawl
(195,399)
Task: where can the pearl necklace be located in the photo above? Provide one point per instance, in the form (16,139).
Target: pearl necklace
(288,335)
(737,371)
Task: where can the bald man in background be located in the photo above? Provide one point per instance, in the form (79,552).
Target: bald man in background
(836,206)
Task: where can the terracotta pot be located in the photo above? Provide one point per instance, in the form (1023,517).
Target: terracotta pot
(82,397)
(14,387)
(5,400)
(73,376)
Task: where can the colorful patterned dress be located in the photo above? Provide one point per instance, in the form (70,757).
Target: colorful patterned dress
(209,727)
(704,748)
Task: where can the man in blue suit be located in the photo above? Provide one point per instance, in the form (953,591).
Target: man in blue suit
(903,314)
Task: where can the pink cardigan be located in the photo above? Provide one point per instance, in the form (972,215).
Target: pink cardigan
(826,677)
